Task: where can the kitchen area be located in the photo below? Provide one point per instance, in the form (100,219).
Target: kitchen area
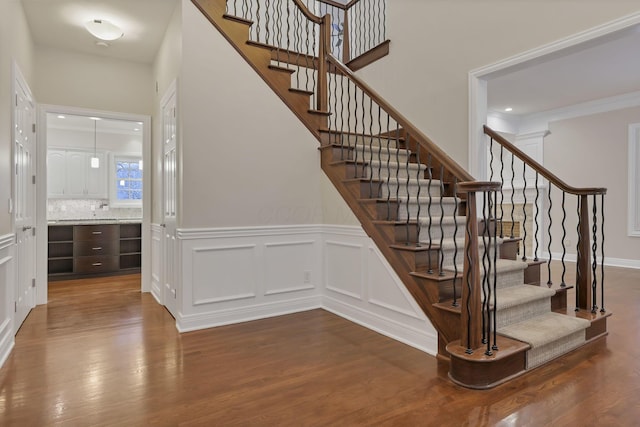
(94,196)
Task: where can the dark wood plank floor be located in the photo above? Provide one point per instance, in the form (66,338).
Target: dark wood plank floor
(100,353)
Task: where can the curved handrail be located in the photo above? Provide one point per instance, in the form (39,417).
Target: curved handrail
(541,169)
(478,186)
(418,136)
(310,16)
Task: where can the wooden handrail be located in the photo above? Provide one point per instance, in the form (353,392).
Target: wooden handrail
(340,5)
(478,186)
(310,16)
(415,133)
(539,168)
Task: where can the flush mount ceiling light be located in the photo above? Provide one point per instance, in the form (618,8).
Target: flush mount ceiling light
(104,30)
(508,109)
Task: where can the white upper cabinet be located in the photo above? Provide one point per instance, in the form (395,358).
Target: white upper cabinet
(70,175)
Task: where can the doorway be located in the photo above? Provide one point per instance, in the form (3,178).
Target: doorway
(94,164)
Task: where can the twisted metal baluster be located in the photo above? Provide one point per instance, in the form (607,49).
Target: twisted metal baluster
(355,148)
(398,165)
(278,29)
(441,273)
(333,118)
(297,45)
(429,165)
(501,192)
(564,235)
(245,10)
(226,7)
(594,264)
(549,282)
(486,290)
(371,145)
(491,160)
(342,113)
(513,191)
(455,236)
(469,350)
(495,277)
(407,182)
(602,310)
(306,58)
(369,29)
(288,33)
(384,17)
(524,213)
(388,142)
(376,30)
(258,19)
(578,254)
(267,24)
(314,69)
(379,143)
(363,133)
(535,218)
(418,181)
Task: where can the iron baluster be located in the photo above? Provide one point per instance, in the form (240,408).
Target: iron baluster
(549,282)
(278,29)
(379,143)
(342,113)
(429,165)
(469,350)
(501,192)
(355,149)
(495,276)
(245,10)
(455,235)
(408,199)
(388,181)
(535,219)
(564,235)
(314,69)
(371,145)
(306,58)
(491,160)
(297,45)
(418,181)
(257,28)
(578,256)
(513,190)
(594,264)
(397,166)
(288,33)
(486,290)
(524,213)
(363,134)
(440,267)
(602,310)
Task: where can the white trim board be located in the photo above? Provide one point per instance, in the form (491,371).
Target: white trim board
(478,80)
(608,261)
(633,199)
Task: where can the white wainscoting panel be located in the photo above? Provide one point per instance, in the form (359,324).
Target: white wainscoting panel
(156,262)
(236,275)
(343,268)
(7,280)
(382,302)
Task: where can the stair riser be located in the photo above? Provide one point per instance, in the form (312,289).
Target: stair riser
(353,140)
(412,190)
(519,313)
(447,206)
(367,155)
(393,170)
(449,252)
(541,355)
(409,234)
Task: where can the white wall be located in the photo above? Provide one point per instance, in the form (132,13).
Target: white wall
(166,69)
(114,142)
(592,151)
(7,275)
(247,159)
(434,45)
(93,82)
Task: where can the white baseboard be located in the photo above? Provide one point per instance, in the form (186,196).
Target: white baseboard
(193,322)
(420,339)
(608,261)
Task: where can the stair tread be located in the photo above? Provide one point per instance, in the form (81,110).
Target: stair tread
(435,276)
(544,329)
(301,91)
(281,69)
(503,266)
(521,294)
(237,19)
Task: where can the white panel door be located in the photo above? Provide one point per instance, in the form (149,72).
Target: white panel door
(25,191)
(169,170)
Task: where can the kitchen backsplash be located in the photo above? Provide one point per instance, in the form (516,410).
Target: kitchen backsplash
(59,209)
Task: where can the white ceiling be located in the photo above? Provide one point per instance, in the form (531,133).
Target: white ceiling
(60,24)
(86,123)
(601,68)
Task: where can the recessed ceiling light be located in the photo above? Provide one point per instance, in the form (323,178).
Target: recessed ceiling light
(508,109)
(136,129)
(100,43)
(95,118)
(61,117)
(103,29)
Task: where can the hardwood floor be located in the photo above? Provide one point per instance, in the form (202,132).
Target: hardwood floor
(100,353)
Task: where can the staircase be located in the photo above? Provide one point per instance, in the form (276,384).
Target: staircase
(437,227)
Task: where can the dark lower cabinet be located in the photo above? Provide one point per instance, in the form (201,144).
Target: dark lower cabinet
(100,249)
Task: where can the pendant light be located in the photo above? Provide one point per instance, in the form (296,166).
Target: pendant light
(95,161)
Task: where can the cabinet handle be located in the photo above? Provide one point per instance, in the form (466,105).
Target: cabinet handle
(97,264)
(97,249)
(96,232)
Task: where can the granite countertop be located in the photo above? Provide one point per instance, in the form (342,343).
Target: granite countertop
(97,221)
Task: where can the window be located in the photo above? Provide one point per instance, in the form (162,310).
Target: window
(126,182)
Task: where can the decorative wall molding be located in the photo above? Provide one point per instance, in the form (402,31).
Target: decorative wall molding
(633,199)
(608,261)
(7,283)
(232,275)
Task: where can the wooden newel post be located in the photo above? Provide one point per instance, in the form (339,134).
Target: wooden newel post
(325,45)
(471,304)
(583,266)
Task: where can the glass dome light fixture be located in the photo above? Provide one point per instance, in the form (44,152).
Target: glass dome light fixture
(103,29)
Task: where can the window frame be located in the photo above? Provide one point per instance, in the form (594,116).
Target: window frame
(113,188)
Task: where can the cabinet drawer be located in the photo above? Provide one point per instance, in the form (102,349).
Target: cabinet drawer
(95,264)
(102,233)
(95,247)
